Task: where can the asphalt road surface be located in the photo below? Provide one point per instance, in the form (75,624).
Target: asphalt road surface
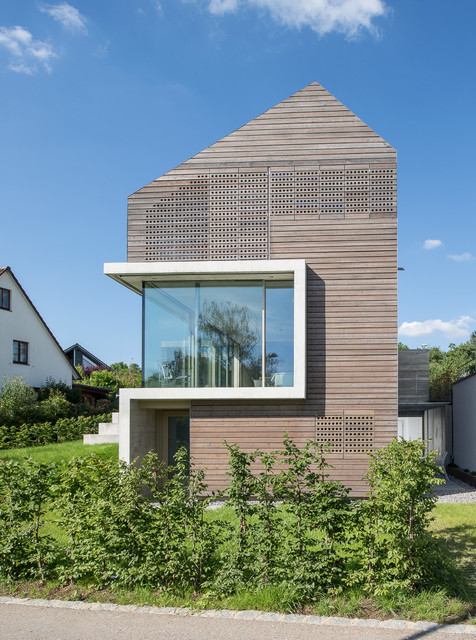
(19,622)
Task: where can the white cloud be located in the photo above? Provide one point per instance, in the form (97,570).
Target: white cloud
(432,244)
(158,7)
(323,16)
(222,6)
(67,15)
(26,54)
(452,329)
(462,257)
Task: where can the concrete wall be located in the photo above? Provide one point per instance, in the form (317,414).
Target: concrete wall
(45,358)
(413,376)
(464,423)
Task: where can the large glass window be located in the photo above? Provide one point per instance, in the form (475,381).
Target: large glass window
(218,334)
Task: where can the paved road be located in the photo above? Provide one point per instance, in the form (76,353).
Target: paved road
(20,622)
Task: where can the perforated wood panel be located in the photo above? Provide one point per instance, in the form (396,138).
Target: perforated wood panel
(357,194)
(329,430)
(176,225)
(307,191)
(347,433)
(223,215)
(332,192)
(253,214)
(210,216)
(383,190)
(358,433)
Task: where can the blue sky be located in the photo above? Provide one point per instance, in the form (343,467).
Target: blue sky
(100,98)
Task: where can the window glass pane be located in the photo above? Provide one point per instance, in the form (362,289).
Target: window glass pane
(230,334)
(15,351)
(178,435)
(169,334)
(23,352)
(205,334)
(5,298)
(279,334)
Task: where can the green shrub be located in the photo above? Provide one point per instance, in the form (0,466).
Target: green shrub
(39,433)
(25,493)
(55,406)
(18,401)
(393,523)
(294,529)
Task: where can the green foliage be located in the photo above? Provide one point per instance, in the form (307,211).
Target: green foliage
(118,536)
(128,375)
(55,406)
(18,401)
(402,346)
(294,530)
(393,523)
(118,375)
(39,433)
(447,366)
(25,491)
(50,385)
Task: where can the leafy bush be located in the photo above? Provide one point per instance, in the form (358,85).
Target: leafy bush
(25,495)
(18,401)
(393,523)
(55,406)
(39,433)
(294,529)
(292,532)
(71,394)
(118,536)
(118,375)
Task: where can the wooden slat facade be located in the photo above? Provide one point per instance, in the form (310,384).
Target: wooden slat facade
(306,179)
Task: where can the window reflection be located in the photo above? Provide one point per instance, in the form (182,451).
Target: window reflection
(279,334)
(210,334)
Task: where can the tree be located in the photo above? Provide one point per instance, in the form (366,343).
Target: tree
(447,366)
(118,375)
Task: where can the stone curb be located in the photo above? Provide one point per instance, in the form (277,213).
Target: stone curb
(259,616)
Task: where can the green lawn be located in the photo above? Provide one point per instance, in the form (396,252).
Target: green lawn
(61,452)
(456,523)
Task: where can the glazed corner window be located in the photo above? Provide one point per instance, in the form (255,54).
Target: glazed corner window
(5,299)
(219,333)
(20,352)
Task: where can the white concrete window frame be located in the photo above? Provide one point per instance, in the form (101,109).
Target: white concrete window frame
(133,274)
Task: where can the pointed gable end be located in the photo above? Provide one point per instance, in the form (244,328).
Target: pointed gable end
(307,156)
(309,126)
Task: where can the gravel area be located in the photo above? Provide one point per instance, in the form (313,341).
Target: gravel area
(455,491)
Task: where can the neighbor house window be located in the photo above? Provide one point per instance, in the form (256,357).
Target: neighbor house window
(20,352)
(219,333)
(5,299)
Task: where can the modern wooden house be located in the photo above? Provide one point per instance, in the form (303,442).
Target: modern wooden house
(267,266)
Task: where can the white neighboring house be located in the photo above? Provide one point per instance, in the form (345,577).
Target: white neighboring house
(27,346)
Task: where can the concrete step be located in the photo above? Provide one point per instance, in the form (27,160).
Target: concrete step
(100,438)
(108,428)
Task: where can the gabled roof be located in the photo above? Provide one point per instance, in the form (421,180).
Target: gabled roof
(3,270)
(308,127)
(85,352)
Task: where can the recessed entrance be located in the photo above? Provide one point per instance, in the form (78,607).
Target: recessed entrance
(172,432)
